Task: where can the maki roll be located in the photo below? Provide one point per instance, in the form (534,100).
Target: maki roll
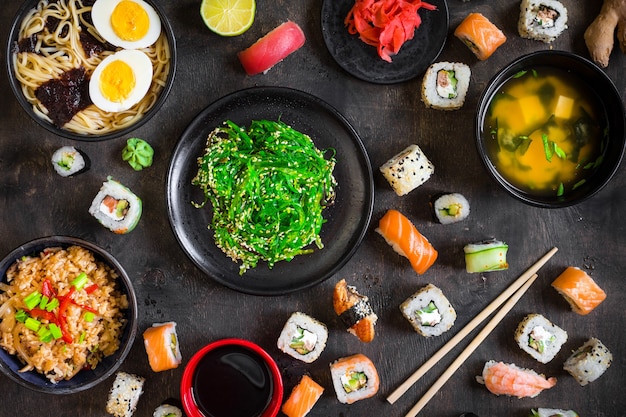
(542,20)
(540,338)
(552,412)
(354,378)
(588,362)
(486,256)
(303,337)
(407,170)
(161,343)
(167,410)
(429,311)
(116,207)
(355,311)
(451,208)
(302,398)
(579,290)
(124,394)
(480,35)
(68,161)
(445,85)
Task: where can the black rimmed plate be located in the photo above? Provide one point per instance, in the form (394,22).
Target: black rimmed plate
(346,221)
(362,60)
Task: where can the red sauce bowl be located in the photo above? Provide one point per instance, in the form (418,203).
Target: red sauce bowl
(231,377)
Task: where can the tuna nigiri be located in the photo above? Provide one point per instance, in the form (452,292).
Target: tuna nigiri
(272,48)
(406,240)
(161,345)
(480,35)
(509,379)
(579,289)
(303,397)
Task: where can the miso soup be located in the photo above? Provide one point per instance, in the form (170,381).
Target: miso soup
(545,131)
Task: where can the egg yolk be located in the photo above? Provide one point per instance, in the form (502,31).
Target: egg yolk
(130,21)
(117,81)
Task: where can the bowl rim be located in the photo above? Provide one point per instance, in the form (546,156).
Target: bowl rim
(506,73)
(186,384)
(131,312)
(12,37)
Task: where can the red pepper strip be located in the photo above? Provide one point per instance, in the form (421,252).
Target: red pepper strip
(47,290)
(91,288)
(62,315)
(84,307)
(43,314)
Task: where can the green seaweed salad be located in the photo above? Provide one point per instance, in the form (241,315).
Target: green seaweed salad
(268,185)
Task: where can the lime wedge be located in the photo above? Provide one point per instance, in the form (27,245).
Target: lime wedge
(228,17)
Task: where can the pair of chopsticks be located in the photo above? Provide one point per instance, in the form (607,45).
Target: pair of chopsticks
(511,295)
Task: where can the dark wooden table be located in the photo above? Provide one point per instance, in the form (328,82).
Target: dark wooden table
(35,202)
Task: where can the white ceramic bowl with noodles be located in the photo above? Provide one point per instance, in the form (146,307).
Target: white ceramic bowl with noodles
(62,103)
(99,310)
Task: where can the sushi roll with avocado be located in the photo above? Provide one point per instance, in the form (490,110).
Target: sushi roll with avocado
(429,311)
(445,85)
(539,337)
(167,410)
(116,207)
(451,208)
(589,362)
(124,394)
(552,412)
(69,161)
(542,20)
(303,337)
(354,378)
(486,256)
(407,170)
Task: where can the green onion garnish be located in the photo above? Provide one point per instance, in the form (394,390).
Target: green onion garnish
(89,316)
(52,304)
(44,302)
(560,190)
(32,324)
(45,335)
(80,281)
(81,339)
(55,330)
(32,299)
(546,147)
(21,316)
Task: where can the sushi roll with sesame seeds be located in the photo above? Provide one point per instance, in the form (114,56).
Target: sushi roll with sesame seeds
(542,20)
(124,394)
(539,337)
(588,362)
(407,170)
(445,85)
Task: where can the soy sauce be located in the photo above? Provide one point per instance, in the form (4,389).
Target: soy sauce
(232,381)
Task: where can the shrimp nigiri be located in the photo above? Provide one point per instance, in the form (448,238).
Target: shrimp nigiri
(509,379)
(406,240)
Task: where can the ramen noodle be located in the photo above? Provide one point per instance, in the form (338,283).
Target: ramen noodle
(61,311)
(54,29)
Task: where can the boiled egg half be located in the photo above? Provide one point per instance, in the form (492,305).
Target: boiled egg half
(121,80)
(129,24)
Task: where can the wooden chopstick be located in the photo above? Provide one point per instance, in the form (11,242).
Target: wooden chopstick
(398,392)
(470,348)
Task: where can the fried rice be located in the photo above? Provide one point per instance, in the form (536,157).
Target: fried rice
(92,316)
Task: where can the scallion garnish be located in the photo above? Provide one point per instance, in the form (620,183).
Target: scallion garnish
(21,316)
(560,190)
(55,330)
(89,316)
(52,304)
(45,335)
(32,299)
(32,324)
(44,302)
(546,147)
(81,339)
(80,281)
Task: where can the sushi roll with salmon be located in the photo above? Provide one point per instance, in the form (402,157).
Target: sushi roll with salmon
(407,170)
(480,35)
(68,161)
(162,347)
(116,207)
(542,20)
(588,362)
(354,378)
(407,241)
(445,85)
(302,398)
(355,311)
(429,311)
(539,337)
(303,337)
(579,290)
(508,379)
(272,48)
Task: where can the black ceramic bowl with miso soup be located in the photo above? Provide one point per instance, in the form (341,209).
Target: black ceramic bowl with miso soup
(550,128)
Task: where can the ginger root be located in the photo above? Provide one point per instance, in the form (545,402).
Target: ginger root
(599,36)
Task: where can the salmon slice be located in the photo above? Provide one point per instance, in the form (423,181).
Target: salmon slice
(161,345)
(480,35)
(406,240)
(272,48)
(303,397)
(508,379)
(579,290)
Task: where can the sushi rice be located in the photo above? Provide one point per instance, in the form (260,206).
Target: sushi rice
(542,20)
(116,207)
(539,337)
(68,161)
(354,378)
(445,85)
(429,311)
(303,337)
(589,362)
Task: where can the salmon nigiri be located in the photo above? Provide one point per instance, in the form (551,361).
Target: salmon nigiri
(509,379)
(272,48)
(303,397)
(405,239)
(161,345)
(480,35)
(579,289)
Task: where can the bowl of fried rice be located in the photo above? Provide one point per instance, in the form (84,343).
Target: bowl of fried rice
(68,315)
